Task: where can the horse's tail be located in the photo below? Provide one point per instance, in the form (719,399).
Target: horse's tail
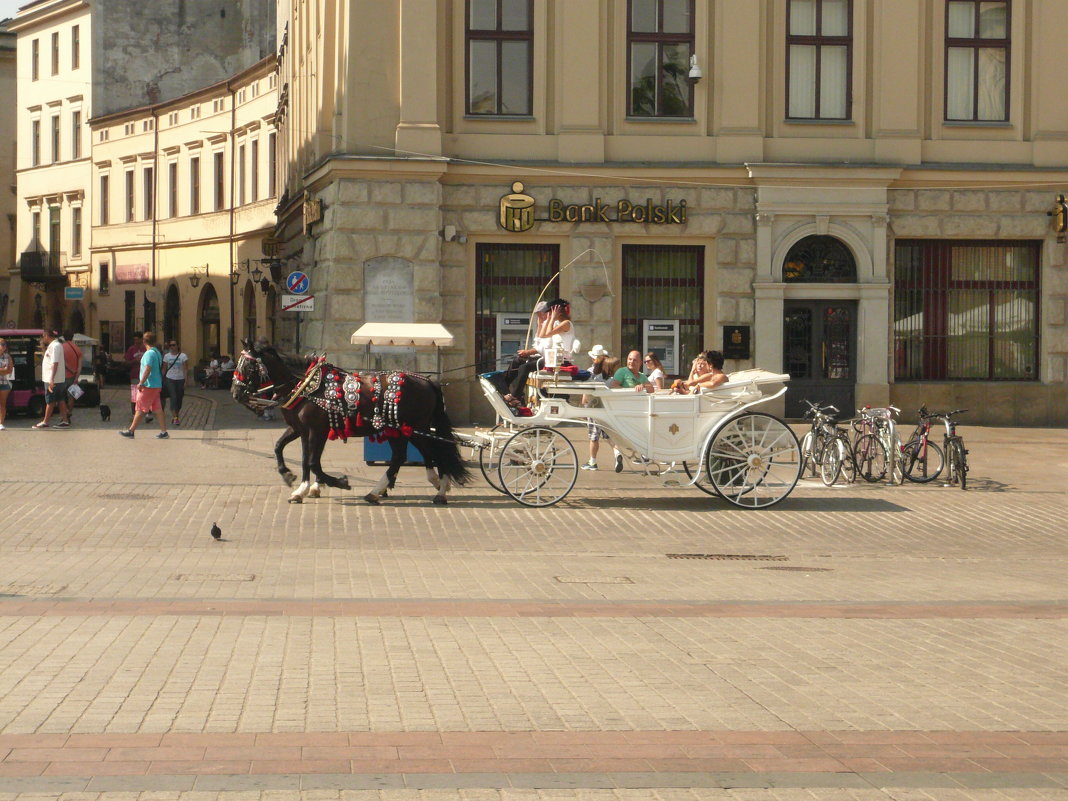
(443,449)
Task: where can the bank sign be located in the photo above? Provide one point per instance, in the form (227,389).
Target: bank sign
(517,211)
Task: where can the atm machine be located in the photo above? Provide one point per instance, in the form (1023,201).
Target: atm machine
(512,329)
(662,338)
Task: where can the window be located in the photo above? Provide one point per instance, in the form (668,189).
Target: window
(500,52)
(105,198)
(977,60)
(241,175)
(75,134)
(664,282)
(966,310)
(819,260)
(254,159)
(172,118)
(76,231)
(103,278)
(220,180)
(147,125)
(272,169)
(55,53)
(35,143)
(35,59)
(508,279)
(55,138)
(172,189)
(148,179)
(194,113)
(129,196)
(819,60)
(659,45)
(35,223)
(75,47)
(194,185)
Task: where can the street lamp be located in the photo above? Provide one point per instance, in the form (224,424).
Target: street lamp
(256,274)
(198,271)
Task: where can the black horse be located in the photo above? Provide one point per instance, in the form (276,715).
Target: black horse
(315,410)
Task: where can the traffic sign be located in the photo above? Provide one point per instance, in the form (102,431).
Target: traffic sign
(297,282)
(73,293)
(298,302)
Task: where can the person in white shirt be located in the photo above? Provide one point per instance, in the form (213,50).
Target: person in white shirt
(655,370)
(53,373)
(175,374)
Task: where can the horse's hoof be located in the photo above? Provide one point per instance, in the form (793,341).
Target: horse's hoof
(315,493)
(441,500)
(372,499)
(289,478)
(343,483)
(385,494)
(296,499)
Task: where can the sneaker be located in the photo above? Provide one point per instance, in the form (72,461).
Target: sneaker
(126,433)
(163,435)
(175,421)
(1,426)
(619,462)
(42,424)
(590,466)
(63,424)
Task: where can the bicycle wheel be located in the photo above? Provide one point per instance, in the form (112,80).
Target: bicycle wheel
(845,455)
(920,465)
(897,459)
(830,462)
(870,458)
(808,444)
(958,461)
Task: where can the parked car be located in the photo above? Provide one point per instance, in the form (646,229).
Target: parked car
(27,391)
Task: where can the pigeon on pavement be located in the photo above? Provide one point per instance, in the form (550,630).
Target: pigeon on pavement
(216,532)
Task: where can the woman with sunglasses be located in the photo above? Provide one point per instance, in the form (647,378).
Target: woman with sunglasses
(175,373)
(7,372)
(655,370)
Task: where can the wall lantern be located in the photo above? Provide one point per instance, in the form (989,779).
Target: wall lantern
(198,272)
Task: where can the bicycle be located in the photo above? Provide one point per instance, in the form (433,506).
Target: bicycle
(868,451)
(820,431)
(835,457)
(953,445)
(922,460)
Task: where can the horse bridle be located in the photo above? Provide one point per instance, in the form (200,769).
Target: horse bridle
(243,378)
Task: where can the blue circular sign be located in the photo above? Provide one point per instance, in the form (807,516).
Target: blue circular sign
(297,282)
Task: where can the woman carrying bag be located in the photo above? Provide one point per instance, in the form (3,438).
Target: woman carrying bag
(175,374)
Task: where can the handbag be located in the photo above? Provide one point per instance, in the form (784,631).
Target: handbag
(75,391)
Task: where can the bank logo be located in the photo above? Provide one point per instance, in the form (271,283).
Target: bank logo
(517,210)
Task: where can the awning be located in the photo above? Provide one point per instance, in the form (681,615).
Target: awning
(402,335)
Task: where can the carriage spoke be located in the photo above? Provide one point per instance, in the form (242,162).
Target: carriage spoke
(538,466)
(754,461)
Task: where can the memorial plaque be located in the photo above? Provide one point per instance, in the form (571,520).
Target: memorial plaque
(736,340)
(388,290)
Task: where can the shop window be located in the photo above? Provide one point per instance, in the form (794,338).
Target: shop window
(508,278)
(966,310)
(819,50)
(819,260)
(500,53)
(660,41)
(977,60)
(664,282)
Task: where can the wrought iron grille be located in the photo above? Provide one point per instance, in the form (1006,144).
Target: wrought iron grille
(819,260)
(664,282)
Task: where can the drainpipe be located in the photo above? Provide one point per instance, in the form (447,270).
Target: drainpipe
(155,205)
(233,172)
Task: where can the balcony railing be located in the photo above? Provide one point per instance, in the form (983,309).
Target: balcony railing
(42,266)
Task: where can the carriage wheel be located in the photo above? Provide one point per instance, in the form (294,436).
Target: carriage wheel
(703,483)
(488,459)
(754,461)
(538,466)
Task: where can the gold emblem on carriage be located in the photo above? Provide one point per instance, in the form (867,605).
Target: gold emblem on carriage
(674,429)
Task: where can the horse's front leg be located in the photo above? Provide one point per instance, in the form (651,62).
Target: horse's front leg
(398,453)
(317,445)
(288,436)
(305,471)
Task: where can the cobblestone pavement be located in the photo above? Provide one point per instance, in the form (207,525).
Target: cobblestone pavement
(636,641)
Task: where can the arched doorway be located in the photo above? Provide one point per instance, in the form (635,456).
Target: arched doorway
(208,317)
(172,314)
(77,320)
(249,306)
(820,335)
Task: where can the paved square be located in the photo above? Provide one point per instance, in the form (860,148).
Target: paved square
(862,642)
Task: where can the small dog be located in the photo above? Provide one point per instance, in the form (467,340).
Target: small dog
(105,412)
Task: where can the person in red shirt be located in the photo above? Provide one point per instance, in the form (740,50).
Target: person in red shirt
(72,359)
(132,359)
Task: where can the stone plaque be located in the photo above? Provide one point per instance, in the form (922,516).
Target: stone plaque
(388,290)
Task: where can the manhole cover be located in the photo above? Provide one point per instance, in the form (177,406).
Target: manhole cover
(729,557)
(797,569)
(594,580)
(215,577)
(126,496)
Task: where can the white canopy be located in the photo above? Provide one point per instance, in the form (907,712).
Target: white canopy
(402,335)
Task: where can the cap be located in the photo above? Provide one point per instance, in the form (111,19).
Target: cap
(542,307)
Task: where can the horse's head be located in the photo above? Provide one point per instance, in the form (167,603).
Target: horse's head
(251,375)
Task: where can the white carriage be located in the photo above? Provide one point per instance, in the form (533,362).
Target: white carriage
(751,459)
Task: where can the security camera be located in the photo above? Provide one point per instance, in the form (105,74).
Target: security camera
(695,71)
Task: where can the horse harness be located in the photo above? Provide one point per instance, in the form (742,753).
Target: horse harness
(340,395)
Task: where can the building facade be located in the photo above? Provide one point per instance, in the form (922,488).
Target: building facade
(183,197)
(8,262)
(852,192)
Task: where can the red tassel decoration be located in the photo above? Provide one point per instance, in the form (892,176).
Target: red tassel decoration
(359,420)
(332,435)
(406,430)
